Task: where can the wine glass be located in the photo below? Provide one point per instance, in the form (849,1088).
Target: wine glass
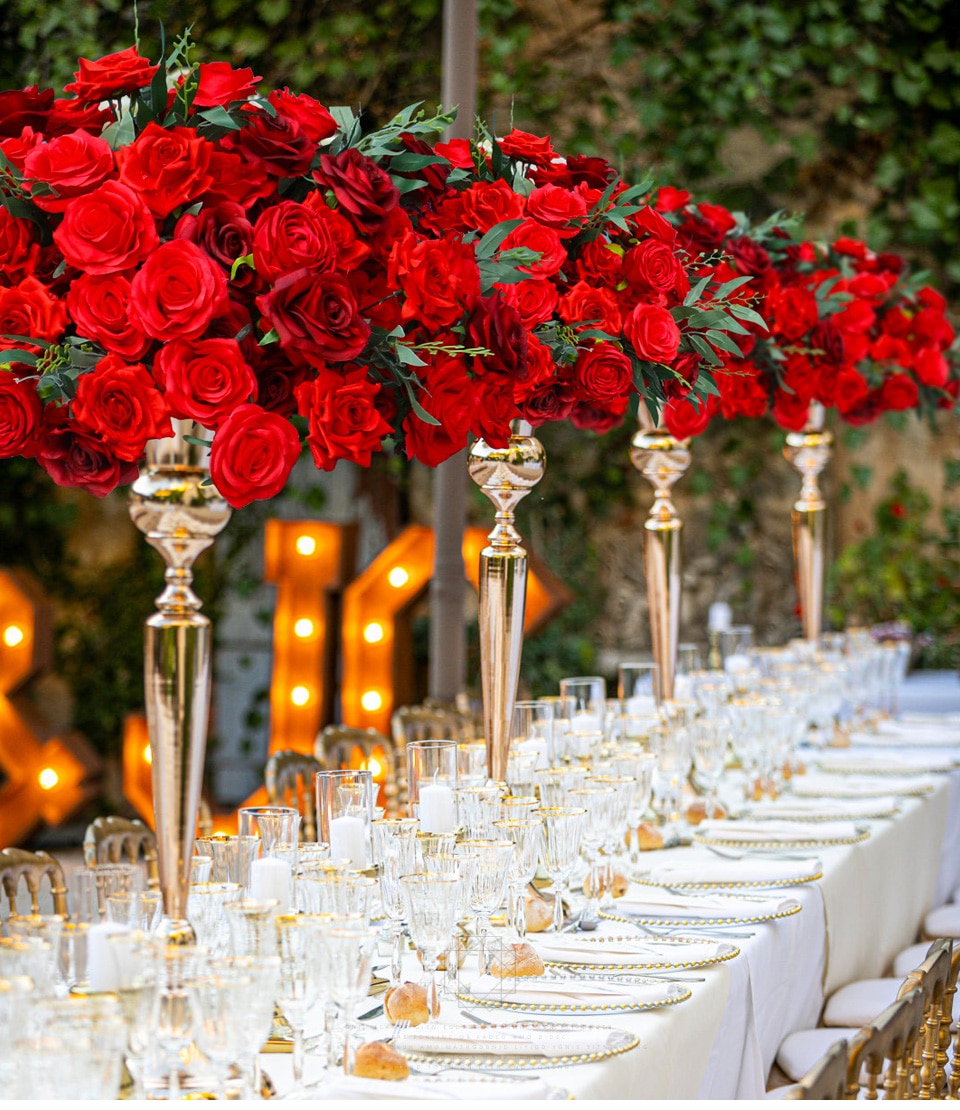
(256,1020)
(221,1003)
(489,885)
(711,739)
(303,969)
(174,1018)
(562,830)
(597,803)
(640,765)
(349,954)
(395,852)
(431,902)
(623,787)
(526,834)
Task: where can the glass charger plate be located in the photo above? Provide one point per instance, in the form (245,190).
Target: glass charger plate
(729,884)
(690,922)
(866,813)
(620,1041)
(671,995)
(759,844)
(675,960)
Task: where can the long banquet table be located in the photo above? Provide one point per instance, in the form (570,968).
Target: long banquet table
(722,1041)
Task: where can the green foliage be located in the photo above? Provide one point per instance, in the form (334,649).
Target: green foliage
(906,571)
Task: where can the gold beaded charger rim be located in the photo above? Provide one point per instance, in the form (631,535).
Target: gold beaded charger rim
(881,813)
(708,922)
(680,994)
(731,951)
(522,1062)
(867,768)
(803,843)
(729,884)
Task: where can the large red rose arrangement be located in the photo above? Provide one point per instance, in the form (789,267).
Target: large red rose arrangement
(838,324)
(177,244)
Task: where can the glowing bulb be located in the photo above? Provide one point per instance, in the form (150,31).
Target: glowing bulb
(147,755)
(373,632)
(373,767)
(398,577)
(300,695)
(306,545)
(371,701)
(48,778)
(303,628)
(13,635)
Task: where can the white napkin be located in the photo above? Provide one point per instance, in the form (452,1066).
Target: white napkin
(814,785)
(749,870)
(576,949)
(554,992)
(494,1040)
(915,738)
(651,901)
(778,832)
(793,808)
(863,762)
(921,731)
(432,1088)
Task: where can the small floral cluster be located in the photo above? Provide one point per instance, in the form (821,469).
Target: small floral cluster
(177,245)
(845,327)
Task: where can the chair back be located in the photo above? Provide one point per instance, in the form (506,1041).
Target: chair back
(288,778)
(17,864)
(929,1077)
(826,1079)
(119,840)
(336,747)
(882,1053)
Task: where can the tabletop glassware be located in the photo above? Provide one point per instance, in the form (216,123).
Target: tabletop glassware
(638,688)
(432,783)
(489,886)
(711,741)
(231,855)
(43,935)
(395,852)
(532,731)
(221,1004)
(431,910)
(138,959)
(555,783)
(597,801)
(252,924)
(272,824)
(471,763)
(675,759)
(345,808)
(205,912)
(562,830)
(623,786)
(174,1017)
(526,834)
(140,911)
(350,954)
(303,971)
(477,808)
(639,764)
(257,1019)
(201,869)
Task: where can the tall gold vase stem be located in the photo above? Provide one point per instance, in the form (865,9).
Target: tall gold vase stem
(662,460)
(180,518)
(808,452)
(506,475)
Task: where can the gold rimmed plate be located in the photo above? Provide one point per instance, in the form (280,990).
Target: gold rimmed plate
(555,996)
(758,843)
(691,921)
(729,884)
(717,952)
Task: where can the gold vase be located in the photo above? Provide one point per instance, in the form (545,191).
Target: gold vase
(506,475)
(808,452)
(180,517)
(662,460)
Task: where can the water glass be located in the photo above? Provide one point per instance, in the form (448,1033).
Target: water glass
(205,912)
(489,886)
(253,926)
(526,834)
(140,911)
(532,731)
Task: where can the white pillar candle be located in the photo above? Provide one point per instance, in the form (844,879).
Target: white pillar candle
(348,840)
(720,617)
(104,965)
(272,878)
(642,705)
(437,810)
(586,722)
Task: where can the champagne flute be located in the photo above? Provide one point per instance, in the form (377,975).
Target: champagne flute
(562,830)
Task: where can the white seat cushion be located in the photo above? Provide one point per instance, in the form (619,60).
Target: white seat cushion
(781,1092)
(801,1050)
(910,958)
(944,921)
(858,1003)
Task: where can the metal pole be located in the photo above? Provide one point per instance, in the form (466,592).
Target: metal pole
(447,636)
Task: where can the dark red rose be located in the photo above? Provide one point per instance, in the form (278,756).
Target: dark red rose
(28,309)
(790,410)
(106,231)
(850,392)
(487,203)
(395,226)
(652,332)
(167,166)
(99,306)
(447,394)
(709,226)
(352,252)
(221,84)
(742,391)
(70,165)
(20,108)
(603,374)
(827,344)
(21,414)
(77,458)
(896,322)
(363,191)
(435,174)
(898,393)
(545,241)
(310,115)
(589,170)
(19,248)
(289,237)
(225,233)
(252,455)
(316,317)
(497,327)
(237,181)
(587,307)
(931,367)
(342,416)
(558,208)
(177,291)
(439,279)
(493,409)
(111,76)
(600,263)
(686,369)
(121,405)
(686,417)
(589,416)
(800,376)
(376,297)
(749,256)
(204,379)
(652,265)
(277,380)
(535,300)
(276,145)
(550,402)
(527,148)
(73,115)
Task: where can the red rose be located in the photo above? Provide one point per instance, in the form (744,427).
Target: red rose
(177,292)
(457,152)
(439,279)
(742,391)
(600,263)
(252,455)
(376,297)
(70,165)
(21,414)
(686,370)
(343,420)
(204,379)
(527,148)
(652,265)
(111,76)
(603,374)
(850,391)
(275,145)
(487,203)
(535,300)
(853,248)
(167,166)
(749,256)
(237,181)
(363,191)
(447,394)
(558,208)
(790,410)
(277,380)
(652,333)
(316,317)
(98,304)
(685,417)
(15,149)
(926,297)
(587,307)
(649,220)
(931,367)
(108,230)
(670,199)
(221,84)
(225,233)
(493,409)
(351,251)
(497,327)
(601,419)
(930,326)
(310,115)
(121,405)
(77,458)
(27,309)
(20,108)
(545,241)
(289,237)
(709,226)
(73,115)
(19,248)
(899,392)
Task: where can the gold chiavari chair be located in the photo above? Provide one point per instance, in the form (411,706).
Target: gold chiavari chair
(933,976)
(122,839)
(32,868)
(826,1079)
(289,779)
(204,819)
(882,1055)
(336,747)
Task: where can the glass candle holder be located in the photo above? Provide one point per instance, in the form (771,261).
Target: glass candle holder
(273,824)
(345,805)
(588,709)
(532,732)
(431,784)
(638,688)
(231,855)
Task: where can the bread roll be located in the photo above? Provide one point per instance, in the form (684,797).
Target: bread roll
(519,959)
(649,837)
(620,884)
(377,1060)
(408,1002)
(538,912)
(697,811)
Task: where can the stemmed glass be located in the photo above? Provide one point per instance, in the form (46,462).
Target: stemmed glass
(349,953)
(623,787)
(526,834)
(532,730)
(676,759)
(395,851)
(303,969)
(256,1021)
(638,688)
(640,765)
(174,1016)
(711,739)
(597,802)
(431,910)
(221,1004)
(489,885)
(562,830)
